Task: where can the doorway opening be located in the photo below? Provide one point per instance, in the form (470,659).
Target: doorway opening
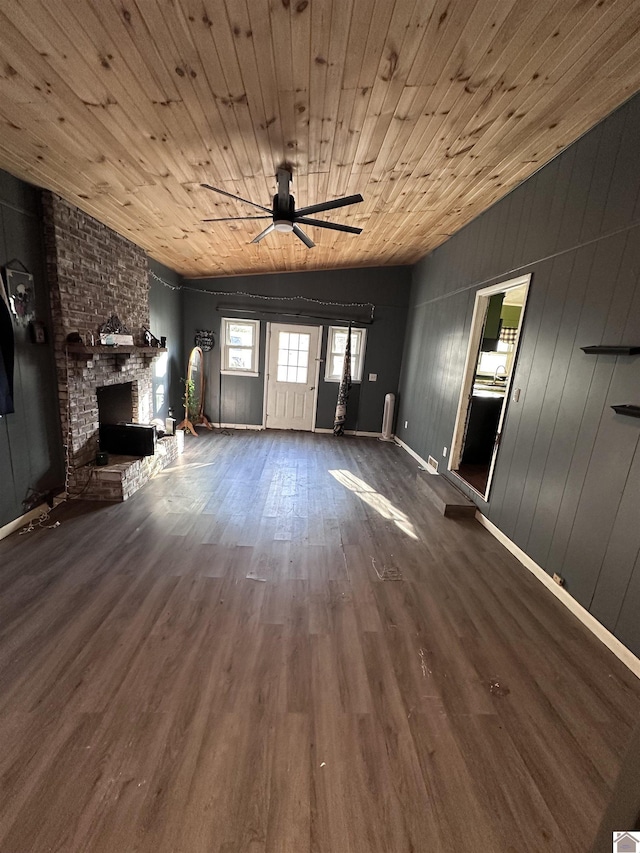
(291,383)
(492,353)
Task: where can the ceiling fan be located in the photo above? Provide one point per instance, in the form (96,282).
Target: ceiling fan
(284,214)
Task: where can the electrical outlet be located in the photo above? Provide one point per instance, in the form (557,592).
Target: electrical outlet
(406,424)
(444,451)
(558,579)
(373,377)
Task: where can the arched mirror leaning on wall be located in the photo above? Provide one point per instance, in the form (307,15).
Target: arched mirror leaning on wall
(194,394)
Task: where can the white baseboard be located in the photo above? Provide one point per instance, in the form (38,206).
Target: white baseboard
(22,521)
(612,643)
(357,432)
(418,458)
(237,426)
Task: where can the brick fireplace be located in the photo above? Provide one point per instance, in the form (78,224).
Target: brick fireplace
(93,273)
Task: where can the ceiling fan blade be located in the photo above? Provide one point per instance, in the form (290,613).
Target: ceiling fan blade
(335,226)
(329,205)
(236,197)
(236,218)
(306,240)
(264,233)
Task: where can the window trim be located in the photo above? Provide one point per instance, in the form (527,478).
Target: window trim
(359,360)
(224,348)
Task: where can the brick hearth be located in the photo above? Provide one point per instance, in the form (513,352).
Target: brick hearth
(124,475)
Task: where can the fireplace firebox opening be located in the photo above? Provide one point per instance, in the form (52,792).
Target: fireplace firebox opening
(115,403)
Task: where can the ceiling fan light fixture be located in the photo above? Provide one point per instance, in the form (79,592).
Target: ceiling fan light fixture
(283,225)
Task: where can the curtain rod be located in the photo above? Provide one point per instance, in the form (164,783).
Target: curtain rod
(225,309)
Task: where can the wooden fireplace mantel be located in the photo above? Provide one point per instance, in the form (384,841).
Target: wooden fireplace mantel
(122,354)
(99,349)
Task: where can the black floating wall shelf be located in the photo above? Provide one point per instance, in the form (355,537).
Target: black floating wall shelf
(631,411)
(605,349)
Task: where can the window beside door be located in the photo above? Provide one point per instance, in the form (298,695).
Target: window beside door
(240,346)
(335,353)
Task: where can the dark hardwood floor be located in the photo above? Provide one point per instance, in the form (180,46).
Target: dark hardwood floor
(278,646)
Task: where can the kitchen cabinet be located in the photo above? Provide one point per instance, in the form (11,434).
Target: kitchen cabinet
(482,427)
(492,323)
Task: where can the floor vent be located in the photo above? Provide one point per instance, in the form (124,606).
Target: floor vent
(433,463)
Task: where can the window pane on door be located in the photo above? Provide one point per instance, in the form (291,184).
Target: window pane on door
(293,357)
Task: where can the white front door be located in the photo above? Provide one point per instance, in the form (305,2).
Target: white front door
(292,376)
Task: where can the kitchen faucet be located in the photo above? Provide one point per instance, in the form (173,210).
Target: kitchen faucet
(503,374)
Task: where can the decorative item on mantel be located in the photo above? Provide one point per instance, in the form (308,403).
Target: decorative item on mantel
(115,333)
(150,339)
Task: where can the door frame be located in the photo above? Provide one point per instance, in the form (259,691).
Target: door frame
(481,304)
(318,361)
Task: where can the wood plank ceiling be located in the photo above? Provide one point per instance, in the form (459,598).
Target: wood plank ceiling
(431,109)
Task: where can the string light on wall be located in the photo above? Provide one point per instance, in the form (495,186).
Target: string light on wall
(262,297)
(162,281)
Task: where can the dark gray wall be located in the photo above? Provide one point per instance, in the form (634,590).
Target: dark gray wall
(165,317)
(31,457)
(242,397)
(567,482)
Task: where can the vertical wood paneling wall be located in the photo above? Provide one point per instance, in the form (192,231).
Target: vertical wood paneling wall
(567,482)
(30,441)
